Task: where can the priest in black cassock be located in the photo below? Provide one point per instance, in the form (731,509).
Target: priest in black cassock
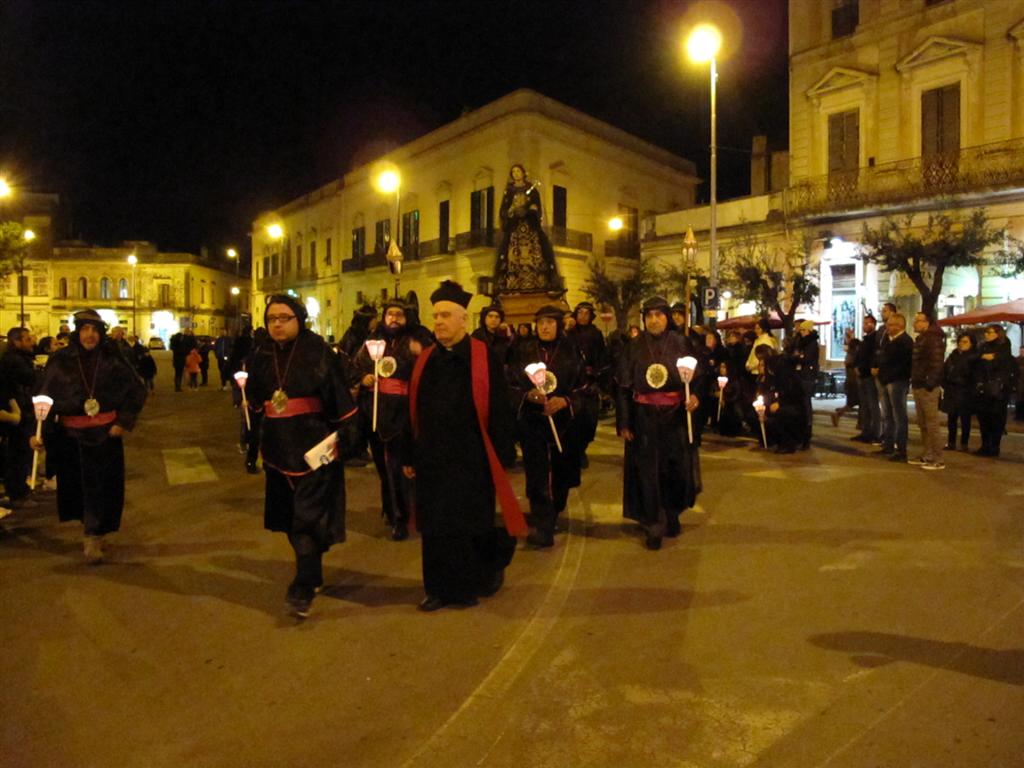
(298,383)
(461,430)
(661,473)
(401,348)
(550,470)
(97,396)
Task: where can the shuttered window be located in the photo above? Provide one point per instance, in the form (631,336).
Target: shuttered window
(844,141)
(940,121)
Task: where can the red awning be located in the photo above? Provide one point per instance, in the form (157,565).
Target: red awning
(1008,312)
(742,322)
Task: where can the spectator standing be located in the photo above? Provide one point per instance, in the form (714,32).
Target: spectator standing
(993,379)
(19,375)
(926,381)
(895,358)
(222,351)
(803,360)
(181,344)
(1018,407)
(956,391)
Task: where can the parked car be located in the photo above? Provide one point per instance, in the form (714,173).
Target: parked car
(156,342)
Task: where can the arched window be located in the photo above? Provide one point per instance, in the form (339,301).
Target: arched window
(83,288)
(122,289)
(104,287)
(62,288)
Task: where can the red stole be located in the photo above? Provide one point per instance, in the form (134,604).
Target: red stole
(511,514)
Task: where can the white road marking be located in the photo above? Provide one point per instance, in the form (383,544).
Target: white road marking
(187,465)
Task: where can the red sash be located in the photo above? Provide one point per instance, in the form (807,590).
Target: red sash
(85,422)
(658,398)
(296,406)
(393,387)
(511,514)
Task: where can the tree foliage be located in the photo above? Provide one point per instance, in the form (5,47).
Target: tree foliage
(621,294)
(13,248)
(675,279)
(777,278)
(924,253)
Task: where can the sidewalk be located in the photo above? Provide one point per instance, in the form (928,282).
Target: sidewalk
(826,406)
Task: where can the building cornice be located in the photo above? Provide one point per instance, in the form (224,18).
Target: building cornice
(840,78)
(934,49)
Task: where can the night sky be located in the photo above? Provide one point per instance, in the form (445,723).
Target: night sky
(177,121)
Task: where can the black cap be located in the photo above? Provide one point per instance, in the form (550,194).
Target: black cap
(656,302)
(90,317)
(494,306)
(549,310)
(291,301)
(451,291)
(679,306)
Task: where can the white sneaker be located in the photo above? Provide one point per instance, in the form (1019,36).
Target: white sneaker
(920,461)
(93,548)
(932,465)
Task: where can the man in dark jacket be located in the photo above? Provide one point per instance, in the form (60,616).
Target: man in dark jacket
(895,357)
(18,372)
(182,343)
(461,427)
(803,361)
(926,381)
(867,393)
(490,331)
(590,342)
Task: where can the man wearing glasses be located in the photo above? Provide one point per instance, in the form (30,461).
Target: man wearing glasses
(298,384)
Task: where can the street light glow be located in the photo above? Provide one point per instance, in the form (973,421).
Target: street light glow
(703,43)
(276,231)
(133,259)
(5,188)
(615,224)
(234,290)
(232,253)
(29,235)
(388,181)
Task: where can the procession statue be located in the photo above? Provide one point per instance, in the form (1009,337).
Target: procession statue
(525,259)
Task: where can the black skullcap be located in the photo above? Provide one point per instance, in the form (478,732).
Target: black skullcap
(494,306)
(367,310)
(679,306)
(549,310)
(656,302)
(90,317)
(451,291)
(585,305)
(291,301)
(397,303)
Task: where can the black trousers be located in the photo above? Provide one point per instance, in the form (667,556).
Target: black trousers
(396,490)
(586,421)
(964,420)
(90,481)
(992,422)
(458,567)
(179,373)
(549,473)
(17,461)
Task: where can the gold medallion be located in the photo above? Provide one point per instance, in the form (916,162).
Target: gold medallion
(92,406)
(550,382)
(279,400)
(387,367)
(657,375)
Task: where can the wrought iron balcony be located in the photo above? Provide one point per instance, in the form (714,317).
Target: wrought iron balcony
(476,238)
(622,249)
(271,283)
(570,238)
(989,167)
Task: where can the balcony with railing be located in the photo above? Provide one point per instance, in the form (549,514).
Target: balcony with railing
(986,168)
(270,284)
(622,249)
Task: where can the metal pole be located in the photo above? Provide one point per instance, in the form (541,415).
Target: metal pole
(398,236)
(135,302)
(21,289)
(238,298)
(714,177)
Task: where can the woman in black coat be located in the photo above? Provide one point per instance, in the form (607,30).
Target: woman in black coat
(992,377)
(956,390)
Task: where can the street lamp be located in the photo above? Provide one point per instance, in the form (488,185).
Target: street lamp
(132,261)
(388,181)
(615,224)
(703,45)
(5,188)
(29,236)
(233,254)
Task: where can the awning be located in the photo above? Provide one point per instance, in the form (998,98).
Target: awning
(1008,312)
(743,322)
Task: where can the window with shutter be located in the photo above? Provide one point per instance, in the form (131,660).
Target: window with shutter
(443,226)
(559,207)
(940,135)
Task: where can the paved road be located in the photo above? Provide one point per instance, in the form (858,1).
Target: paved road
(822,609)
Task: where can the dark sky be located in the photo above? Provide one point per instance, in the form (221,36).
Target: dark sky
(177,121)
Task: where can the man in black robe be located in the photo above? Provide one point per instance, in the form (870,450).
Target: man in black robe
(780,389)
(490,331)
(18,371)
(395,368)
(461,428)
(661,473)
(550,471)
(297,382)
(98,396)
(591,345)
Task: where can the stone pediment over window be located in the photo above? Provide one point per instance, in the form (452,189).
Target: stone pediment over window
(839,78)
(935,49)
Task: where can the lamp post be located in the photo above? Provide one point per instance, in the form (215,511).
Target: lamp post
(235,291)
(29,236)
(702,45)
(389,181)
(132,261)
(689,260)
(276,233)
(233,254)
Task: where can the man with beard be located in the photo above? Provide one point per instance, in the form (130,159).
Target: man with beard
(550,470)
(490,331)
(297,382)
(461,427)
(395,369)
(590,342)
(661,473)
(97,397)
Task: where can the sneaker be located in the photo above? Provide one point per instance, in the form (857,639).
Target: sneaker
(920,461)
(299,601)
(933,465)
(92,547)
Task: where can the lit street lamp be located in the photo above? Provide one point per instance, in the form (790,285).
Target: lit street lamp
(233,254)
(276,232)
(702,46)
(29,236)
(132,261)
(5,188)
(389,181)
(235,291)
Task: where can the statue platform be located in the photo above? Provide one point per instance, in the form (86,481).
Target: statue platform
(521,307)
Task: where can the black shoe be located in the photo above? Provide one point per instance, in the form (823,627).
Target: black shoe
(785,449)
(300,600)
(861,439)
(652,542)
(805,446)
(584,461)
(540,539)
(251,468)
(898,456)
(430,604)
(400,532)
(885,450)
(672,527)
(496,583)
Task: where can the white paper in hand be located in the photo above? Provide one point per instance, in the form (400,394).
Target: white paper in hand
(323,453)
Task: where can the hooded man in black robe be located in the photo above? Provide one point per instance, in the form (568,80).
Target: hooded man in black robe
(98,397)
(401,349)
(298,384)
(490,330)
(461,428)
(661,473)
(591,344)
(552,468)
